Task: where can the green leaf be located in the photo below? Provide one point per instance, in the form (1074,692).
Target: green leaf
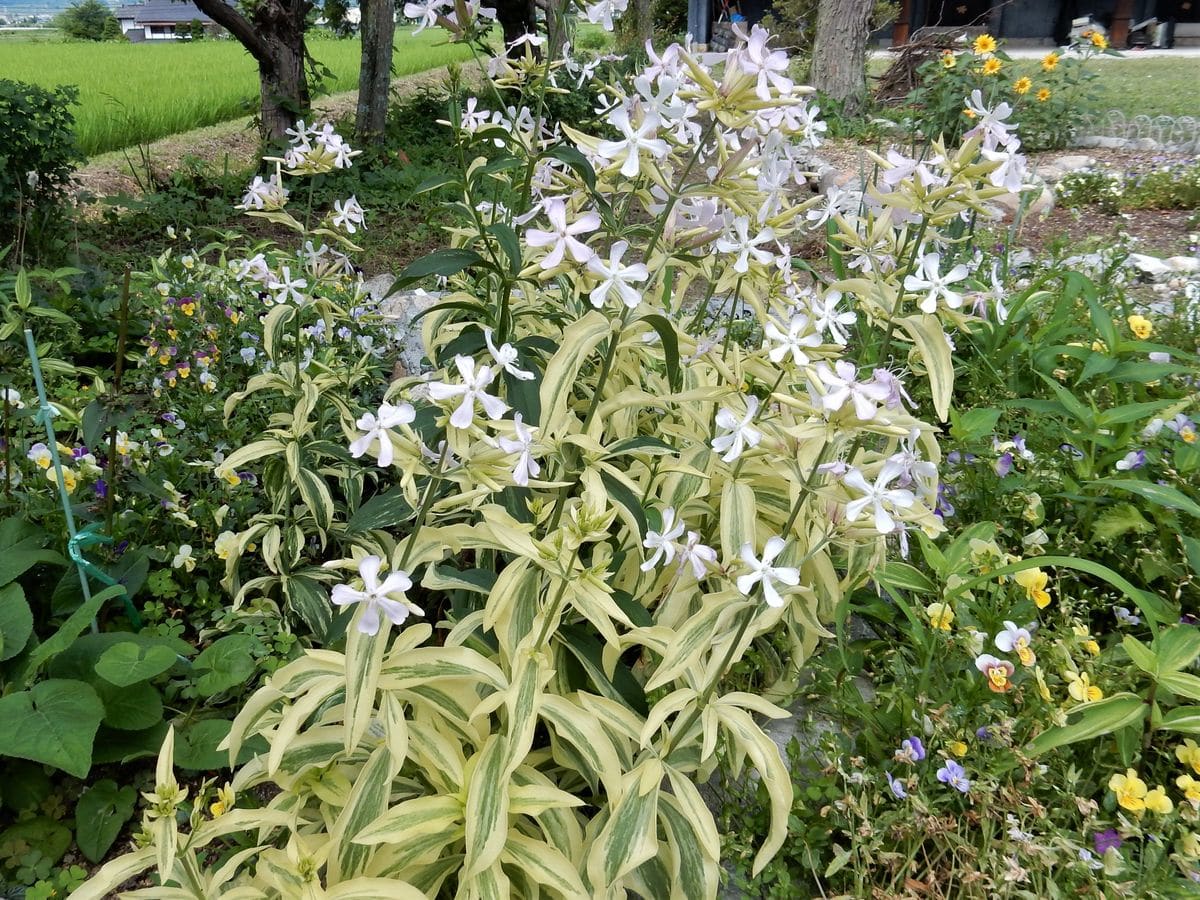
(649,446)
(619,493)
(670,343)
(54,723)
(578,341)
(128,663)
(1140,655)
(622,687)
(440,263)
(16,621)
(1177,647)
(226,662)
(1182,718)
(1181,683)
(100,814)
(899,576)
(1091,720)
(926,332)
(133,708)
(307,599)
(49,838)
(386,510)
(509,243)
(1160,494)
(67,633)
(738,514)
(1119,520)
(628,837)
(1191,548)
(487,807)
(577,161)
(974,424)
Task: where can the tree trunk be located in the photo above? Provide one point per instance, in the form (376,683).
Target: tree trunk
(274,36)
(644,10)
(839,62)
(516,18)
(556,27)
(375,74)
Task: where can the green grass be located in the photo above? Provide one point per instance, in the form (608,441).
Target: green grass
(129,93)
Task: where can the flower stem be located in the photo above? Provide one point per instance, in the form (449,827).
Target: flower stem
(423,512)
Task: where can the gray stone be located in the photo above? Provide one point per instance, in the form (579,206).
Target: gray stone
(402,307)
(1074,163)
(379,286)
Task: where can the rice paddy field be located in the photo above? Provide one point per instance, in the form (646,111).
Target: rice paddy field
(131,93)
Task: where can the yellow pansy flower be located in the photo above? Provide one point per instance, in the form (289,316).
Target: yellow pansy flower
(985,43)
(1189,754)
(940,615)
(1022,85)
(992,66)
(1080,687)
(1141,327)
(1130,790)
(958,748)
(1085,639)
(1157,801)
(1050,62)
(1190,787)
(1034,582)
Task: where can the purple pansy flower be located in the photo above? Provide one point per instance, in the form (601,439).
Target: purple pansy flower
(897,786)
(1106,840)
(954,775)
(911,750)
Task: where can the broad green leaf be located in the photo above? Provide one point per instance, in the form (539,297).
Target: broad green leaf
(627,499)
(900,576)
(227,662)
(16,621)
(103,884)
(628,837)
(132,708)
(509,243)
(1160,494)
(1181,683)
(1177,647)
(689,644)
(48,837)
(1091,720)
(54,723)
(670,344)
(487,807)
(1119,520)
(66,634)
(1141,655)
(545,864)
(562,372)
(367,802)
(440,262)
(577,161)
(374,889)
(101,813)
(127,663)
(697,874)
(1191,548)
(385,510)
(308,600)
(1182,718)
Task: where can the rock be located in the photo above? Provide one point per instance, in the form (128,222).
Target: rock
(379,286)
(1147,144)
(1074,163)
(1184,265)
(403,307)
(1050,173)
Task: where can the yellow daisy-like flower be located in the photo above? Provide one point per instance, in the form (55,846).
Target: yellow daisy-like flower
(1141,327)
(1189,754)
(1130,790)
(1080,688)
(1022,85)
(1190,787)
(940,615)
(1050,62)
(1157,801)
(949,60)
(1043,95)
(1099,41)
(1034,582)
(985,43)
(992,66)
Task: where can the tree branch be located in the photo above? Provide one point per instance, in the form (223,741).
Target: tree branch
(239,26)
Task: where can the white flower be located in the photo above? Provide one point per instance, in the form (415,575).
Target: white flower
(527,467)
(799,335)
(1010,174)
(841,385)
(990,123)
(762,570)
(877,495)
(699,556)
(375,426)
(740,432)
(616,277)
(226,545)
(1150,432)
(602,13)
(288,288)
(349,215)
(771,66)
(12,397)
(506,357)
(738,241)
(635,141)
(386,597)
(930,279)
(472,389)
(663,542)
(268,194)
(255,268)
(1013,639)
(826,317)
(563,236)
(183,559)
(427,12)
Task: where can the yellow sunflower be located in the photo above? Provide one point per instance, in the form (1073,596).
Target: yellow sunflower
(991,66)
(1043,95)
(1050,62)
(985,43)
(1022,85)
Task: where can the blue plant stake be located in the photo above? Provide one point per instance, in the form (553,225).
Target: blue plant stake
(90,535)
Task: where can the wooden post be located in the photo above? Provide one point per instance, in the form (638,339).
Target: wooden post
(903,27)
(1118,35)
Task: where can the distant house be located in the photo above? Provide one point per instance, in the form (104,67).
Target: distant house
(161,20)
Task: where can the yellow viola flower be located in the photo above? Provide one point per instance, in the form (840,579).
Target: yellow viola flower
(1157,801)
(985,43)
(1190,787)
(940,615)
(1043,95)
(1022,85)
(949,60)
(1085,639)
(1040,677)
(958,748)
(1050,62)
(1034,582)
(1141,327)
(1130,790)
(1080,687)
(1188,846)
(992,66)
(1188,753)
(223,803)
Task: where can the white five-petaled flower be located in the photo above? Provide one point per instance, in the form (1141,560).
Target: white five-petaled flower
(289,288)
(738,241)
(506,357)
(771,66)
(527,467)
(602,13)
(349,215)
(739,432)
(1010,174)
(826,317)
(762,570)
(563,237)
(930,279)
(663,543)
(635,140)
(841,384)
(184,559)
(385,597)
(617,278)
(264,194)
(427,12)
(697,555)
(374,427)
(475,382)
(990,123)
(877,495)
(798,337)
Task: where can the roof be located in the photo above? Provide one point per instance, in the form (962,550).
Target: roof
(157,12)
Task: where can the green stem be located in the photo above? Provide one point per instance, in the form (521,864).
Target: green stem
(552,612)
(423,511)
